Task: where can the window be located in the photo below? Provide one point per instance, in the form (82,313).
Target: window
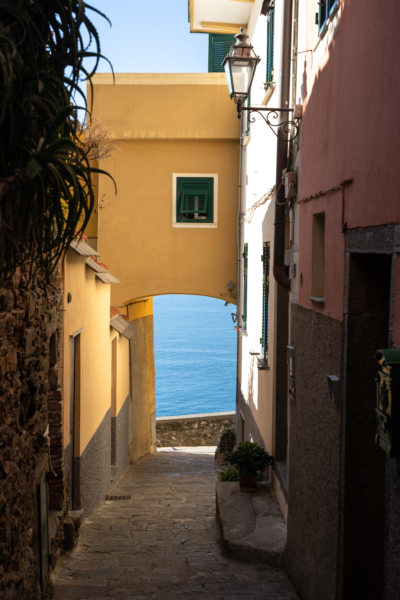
(245,275)
(318,258)
(194,200)
(325,10)
(270,47)
(218,47)
(265,302)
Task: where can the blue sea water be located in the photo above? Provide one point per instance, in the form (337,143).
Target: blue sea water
(195,355)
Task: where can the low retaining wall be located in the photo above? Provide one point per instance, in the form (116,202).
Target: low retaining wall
(193,430)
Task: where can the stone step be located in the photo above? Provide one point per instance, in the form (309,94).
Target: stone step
(252,525)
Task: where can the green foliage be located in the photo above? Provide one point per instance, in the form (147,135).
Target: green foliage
(249,458)
(227,441)
(229,474)
(46,192)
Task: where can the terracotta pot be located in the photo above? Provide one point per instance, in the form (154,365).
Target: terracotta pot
(248,482)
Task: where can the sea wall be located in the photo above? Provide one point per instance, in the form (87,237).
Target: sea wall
(193,430)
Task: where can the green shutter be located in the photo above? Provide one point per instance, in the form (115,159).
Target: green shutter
(218,47)
(245,275)
(270,47)
(265,300)
(194,200)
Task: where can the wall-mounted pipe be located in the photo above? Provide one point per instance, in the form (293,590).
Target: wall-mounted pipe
(282,153)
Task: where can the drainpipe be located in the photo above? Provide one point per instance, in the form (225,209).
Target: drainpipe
(282,154)
(239,322)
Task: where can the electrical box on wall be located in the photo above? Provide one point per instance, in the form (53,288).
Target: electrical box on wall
(388,401)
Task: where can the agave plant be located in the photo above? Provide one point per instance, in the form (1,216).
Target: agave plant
(46,191)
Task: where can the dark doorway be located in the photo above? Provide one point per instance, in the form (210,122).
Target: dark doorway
(366,330)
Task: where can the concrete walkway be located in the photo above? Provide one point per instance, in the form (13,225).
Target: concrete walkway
(158,540)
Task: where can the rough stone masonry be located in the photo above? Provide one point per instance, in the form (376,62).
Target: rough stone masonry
(30,325)
(193,430)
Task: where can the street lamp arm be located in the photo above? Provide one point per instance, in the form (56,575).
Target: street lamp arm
(286,129)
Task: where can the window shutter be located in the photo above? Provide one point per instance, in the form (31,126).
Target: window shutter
(245,275)
(265,300)
(270,47)
(218,47)
(195,201)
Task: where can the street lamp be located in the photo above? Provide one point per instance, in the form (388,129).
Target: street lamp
(240,65)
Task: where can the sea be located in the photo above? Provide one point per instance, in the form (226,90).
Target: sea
(195,355)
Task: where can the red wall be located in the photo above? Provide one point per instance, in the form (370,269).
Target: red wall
(350,130)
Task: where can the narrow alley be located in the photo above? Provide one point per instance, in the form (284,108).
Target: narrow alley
(157,539)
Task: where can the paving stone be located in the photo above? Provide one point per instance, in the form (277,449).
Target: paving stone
(163,542)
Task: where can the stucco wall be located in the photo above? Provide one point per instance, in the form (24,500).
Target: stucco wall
(257,226)
(347,128)
(161,125)
(143,388)
(87,314)
(314,449)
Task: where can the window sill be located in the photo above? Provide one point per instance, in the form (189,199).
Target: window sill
(317,299)
(262,364)
(195,225)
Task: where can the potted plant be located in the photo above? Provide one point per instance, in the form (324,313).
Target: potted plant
(225,445)
(249,459)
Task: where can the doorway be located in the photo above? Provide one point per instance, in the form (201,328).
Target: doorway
(363,515)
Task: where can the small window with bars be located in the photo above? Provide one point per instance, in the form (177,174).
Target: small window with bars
(194,200)
(265,302)
(270,47)
(245,277)
(325,9)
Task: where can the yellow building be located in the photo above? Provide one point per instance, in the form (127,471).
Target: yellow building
(96,380)
(171,226)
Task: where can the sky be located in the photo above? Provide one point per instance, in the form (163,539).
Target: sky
(149,36)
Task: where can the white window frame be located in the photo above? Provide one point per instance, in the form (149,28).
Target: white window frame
(198,224)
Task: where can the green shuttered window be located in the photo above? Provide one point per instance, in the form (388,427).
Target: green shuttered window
(218,47)
(265,301)
(270,47)
(195,201)
(325,9)
(245,275)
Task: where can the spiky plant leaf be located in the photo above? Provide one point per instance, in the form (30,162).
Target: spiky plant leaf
(46,192)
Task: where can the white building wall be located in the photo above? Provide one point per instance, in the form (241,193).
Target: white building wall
(257,223)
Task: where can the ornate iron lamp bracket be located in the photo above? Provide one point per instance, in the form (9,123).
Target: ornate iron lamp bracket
(285,130)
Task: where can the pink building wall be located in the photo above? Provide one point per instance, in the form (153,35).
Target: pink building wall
(350,130)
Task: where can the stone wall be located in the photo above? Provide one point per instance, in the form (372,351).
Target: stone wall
(193,430)
(30,325)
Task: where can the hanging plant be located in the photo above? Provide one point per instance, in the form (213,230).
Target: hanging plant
(46,189)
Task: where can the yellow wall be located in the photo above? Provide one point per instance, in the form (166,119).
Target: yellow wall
(88,312)
(161,125)
(122,370)
(143,388)
(136,309)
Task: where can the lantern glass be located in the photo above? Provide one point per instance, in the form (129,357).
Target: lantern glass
(239,74)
